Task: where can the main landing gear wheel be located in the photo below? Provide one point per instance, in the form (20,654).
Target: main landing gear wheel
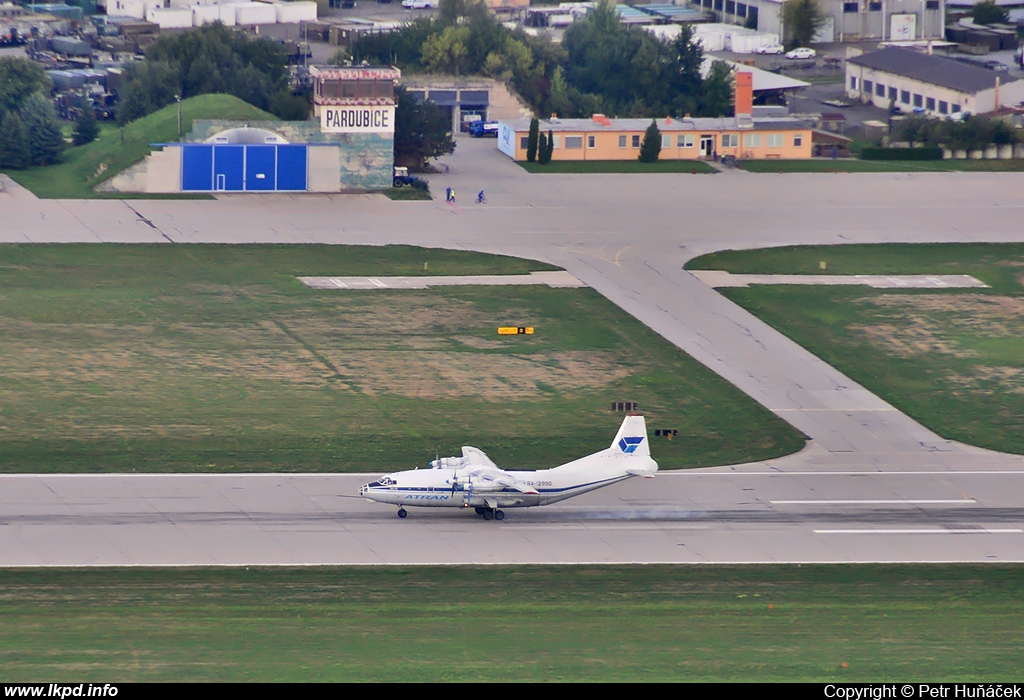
(402,512)
(479,510)
(488,514)
(499,515)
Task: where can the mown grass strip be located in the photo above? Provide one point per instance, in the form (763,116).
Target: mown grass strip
(563,167)
(652,623)
(826,165)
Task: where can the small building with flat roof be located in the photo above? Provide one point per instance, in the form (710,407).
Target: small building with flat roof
(602,138)
(919,82)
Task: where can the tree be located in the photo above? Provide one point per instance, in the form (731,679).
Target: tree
(341,57)
(45,139)
(802,19)
(447,52)
(988,12)
(206,60)
(148,86)
(716,100)
(545,149)
(917,129)
(14,149)
(532,140)
(20,78)
(422,131)
(691,60)
(86,127)
(650,147)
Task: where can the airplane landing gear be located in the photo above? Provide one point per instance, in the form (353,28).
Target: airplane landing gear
(499,515)
(491,513)
(402,512)
(480,510)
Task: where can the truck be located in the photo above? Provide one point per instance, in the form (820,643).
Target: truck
(482,129)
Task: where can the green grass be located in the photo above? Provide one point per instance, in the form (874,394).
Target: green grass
(215,358)
(407,194)
(951,359)
(117,148)
(827,165)
(618,166)
(506,624)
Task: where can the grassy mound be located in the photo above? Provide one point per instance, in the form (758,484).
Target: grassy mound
(118,148)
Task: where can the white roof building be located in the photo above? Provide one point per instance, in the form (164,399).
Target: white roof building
(918,82)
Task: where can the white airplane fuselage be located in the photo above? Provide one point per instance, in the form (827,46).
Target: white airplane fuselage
(474,481)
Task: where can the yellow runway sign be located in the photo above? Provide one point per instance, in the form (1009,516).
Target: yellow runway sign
(515,330)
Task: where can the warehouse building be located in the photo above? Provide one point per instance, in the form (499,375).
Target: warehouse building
(349,146)
(845,20)
(918,82)
(601,138)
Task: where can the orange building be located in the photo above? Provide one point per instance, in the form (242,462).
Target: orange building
(601,138)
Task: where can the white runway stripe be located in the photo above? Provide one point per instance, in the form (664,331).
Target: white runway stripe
(926,531)
(888,502)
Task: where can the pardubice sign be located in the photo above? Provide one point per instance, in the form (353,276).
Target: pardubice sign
(357,119)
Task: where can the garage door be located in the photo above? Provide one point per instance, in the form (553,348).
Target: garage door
(243,168)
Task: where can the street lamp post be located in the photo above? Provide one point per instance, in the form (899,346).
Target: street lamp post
(178,98)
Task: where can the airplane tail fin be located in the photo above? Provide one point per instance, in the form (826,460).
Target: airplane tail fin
(631,442)
(632,437)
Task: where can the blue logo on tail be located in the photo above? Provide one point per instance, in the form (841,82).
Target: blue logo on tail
(629,444)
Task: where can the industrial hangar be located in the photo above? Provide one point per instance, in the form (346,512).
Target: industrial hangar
(349,146)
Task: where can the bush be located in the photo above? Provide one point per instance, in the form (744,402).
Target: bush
(650,149)
(873,153)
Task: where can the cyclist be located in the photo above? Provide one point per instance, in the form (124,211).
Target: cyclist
(480,198)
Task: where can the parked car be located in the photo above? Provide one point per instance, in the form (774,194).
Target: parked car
(419,4)
(770,49)
(802,53)
(997,66)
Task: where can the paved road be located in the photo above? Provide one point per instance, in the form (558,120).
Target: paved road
(629,237)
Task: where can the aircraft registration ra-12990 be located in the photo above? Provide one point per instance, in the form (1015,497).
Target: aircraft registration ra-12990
(474,481)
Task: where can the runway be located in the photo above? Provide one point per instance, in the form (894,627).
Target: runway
(748,514)
(872,485)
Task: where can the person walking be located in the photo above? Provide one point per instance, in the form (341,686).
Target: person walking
(448,195)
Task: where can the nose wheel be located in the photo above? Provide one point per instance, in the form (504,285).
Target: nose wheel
(402,512)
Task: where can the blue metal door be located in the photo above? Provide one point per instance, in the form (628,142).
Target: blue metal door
(196,168)
(260,168)
(291,168)
(228,168)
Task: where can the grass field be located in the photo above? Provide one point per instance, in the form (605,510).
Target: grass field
(618,166)
(215,358)
(827,165)
(598,624)
(117,148)
(953,359)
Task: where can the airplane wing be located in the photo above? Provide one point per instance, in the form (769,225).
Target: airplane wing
(480,466)
(472,457)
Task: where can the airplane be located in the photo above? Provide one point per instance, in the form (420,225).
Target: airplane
(474,481)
